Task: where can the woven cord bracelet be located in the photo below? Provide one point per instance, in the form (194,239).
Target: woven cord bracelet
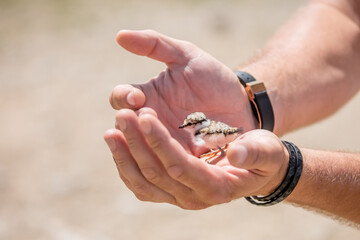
(288,184)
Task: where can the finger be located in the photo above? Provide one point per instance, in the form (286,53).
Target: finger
(146,110)
(181,166)
(210,184)
(155,45)
(129,171)
(127,96)
(148,163)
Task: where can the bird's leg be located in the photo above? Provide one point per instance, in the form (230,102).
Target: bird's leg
(218,157)
(224,149)
(213,156)
(209,154)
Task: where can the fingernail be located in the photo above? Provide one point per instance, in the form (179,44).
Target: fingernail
(144,113)
(240,155)
(130,98)
(145,126)
(111,144)
(122,124)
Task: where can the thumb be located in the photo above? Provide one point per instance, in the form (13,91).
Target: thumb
(155,45)
(238,156)
(258,150)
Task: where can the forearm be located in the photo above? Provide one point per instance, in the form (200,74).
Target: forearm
(330,183)
(311,66)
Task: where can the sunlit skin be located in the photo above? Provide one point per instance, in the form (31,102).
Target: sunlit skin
(157,168)
(184,86)
(304,68)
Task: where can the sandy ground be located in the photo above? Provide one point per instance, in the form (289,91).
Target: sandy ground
(58,64)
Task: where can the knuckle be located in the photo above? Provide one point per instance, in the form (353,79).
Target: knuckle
(132,143)
(150,31)
(189,45)
(156,143)
(176,172)
(150,174)
(191,51)
(142,191)
(139,187)
(141,197)
(120,162)
(136,188)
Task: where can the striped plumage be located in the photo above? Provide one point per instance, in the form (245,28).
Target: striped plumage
(209,133)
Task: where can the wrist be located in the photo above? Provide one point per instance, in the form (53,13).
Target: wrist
(260,73)
(259,100)
(279,176)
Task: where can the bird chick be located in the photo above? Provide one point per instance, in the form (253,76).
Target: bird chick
(214,135)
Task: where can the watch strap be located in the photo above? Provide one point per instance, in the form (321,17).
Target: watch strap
(259,100)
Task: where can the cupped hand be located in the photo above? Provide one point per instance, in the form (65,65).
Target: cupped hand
(157,168)
(193,81)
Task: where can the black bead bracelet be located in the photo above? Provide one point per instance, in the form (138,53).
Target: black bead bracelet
(288,184)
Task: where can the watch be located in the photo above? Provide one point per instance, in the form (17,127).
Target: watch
(259,99)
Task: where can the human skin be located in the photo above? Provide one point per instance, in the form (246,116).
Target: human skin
(312,60)
(303,67)
(190,83)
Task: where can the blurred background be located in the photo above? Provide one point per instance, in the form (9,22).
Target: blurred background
(58,64)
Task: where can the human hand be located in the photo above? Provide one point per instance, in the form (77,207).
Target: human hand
(193,81)
(157,168)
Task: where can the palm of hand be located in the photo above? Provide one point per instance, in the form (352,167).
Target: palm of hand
(181,90)
(193,81)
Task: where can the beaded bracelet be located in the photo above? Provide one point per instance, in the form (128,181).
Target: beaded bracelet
(288,184)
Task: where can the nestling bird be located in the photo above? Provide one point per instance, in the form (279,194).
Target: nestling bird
(211,134)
